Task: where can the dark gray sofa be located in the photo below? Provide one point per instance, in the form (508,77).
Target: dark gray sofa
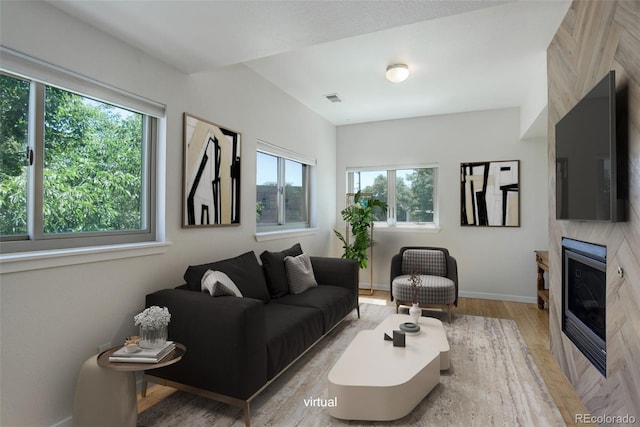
(236,346)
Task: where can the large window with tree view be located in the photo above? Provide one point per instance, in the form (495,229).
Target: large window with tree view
(282,192)
(74,171)
(410,193)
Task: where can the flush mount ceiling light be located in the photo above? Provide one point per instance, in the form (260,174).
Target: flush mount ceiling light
(397,73)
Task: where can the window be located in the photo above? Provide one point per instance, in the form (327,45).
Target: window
(282,189)
(14,124)
(374,182)
(74,170)
(409,192)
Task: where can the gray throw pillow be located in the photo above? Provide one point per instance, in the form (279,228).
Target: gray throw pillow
(300,273)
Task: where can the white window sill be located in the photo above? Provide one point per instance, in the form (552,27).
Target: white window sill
(406,228)
(285,234)
(25,261)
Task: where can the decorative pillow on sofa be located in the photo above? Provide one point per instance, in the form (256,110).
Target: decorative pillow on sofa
(219,284)
(275,272)
(243,270)
(300,273)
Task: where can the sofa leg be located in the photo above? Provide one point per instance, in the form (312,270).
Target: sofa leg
(358,309)
(247,415)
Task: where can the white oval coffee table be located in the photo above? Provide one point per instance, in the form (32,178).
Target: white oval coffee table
(375,381)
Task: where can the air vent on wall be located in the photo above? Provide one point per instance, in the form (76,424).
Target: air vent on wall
(333,97)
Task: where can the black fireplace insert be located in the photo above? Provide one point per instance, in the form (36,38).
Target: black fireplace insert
(584,281)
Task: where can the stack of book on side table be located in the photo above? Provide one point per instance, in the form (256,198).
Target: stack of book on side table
(142,355)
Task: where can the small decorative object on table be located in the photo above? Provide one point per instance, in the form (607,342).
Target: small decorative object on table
(410,327)
(153,323)
(415,311)
(131,344)
(399,339)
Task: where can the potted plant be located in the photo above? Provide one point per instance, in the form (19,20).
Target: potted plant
(360,217)
(153,322)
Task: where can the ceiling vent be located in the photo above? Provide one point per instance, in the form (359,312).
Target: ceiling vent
(333,97)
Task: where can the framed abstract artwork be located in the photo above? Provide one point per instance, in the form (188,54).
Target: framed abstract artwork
(211,193)
(490,194)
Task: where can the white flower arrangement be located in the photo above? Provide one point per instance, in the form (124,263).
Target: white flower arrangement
(153,317)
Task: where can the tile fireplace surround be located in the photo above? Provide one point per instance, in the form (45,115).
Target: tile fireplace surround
(596,37)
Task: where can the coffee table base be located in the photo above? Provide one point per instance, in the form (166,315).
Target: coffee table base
(384,403)
(375,381)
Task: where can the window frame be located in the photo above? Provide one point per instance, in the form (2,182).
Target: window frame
(42,75)
(391,220)
(283,155)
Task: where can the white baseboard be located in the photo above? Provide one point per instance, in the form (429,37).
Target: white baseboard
(498,297)
(466,294)
(376,286)
(67,422)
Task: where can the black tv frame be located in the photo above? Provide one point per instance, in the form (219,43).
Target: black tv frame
(570,140)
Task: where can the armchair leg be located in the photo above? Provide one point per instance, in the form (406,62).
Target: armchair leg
(449,311)
(397,305)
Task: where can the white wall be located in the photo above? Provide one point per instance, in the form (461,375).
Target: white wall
(53,319)
(533,117)
(493,262)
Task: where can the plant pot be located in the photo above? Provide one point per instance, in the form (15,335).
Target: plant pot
(153,338)
(415,312)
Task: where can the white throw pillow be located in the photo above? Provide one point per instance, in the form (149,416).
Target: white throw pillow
(219,284)
(300,273)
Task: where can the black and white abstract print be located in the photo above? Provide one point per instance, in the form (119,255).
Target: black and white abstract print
(212,174)
(490,193)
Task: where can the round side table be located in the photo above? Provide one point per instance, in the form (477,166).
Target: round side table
(106,391)
(169,359)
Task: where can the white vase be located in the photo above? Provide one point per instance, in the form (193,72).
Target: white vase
(415,312)
(152,338)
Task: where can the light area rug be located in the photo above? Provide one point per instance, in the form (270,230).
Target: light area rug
(492,381)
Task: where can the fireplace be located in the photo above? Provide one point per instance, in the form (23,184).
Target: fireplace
(584,283)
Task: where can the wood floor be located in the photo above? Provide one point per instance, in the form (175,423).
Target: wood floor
(534,327)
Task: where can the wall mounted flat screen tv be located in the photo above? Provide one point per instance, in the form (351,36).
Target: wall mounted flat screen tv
(586,169)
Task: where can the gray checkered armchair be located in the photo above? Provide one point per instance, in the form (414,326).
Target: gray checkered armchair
(438,273)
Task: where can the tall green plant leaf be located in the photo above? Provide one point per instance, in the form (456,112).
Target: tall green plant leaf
(359,216)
